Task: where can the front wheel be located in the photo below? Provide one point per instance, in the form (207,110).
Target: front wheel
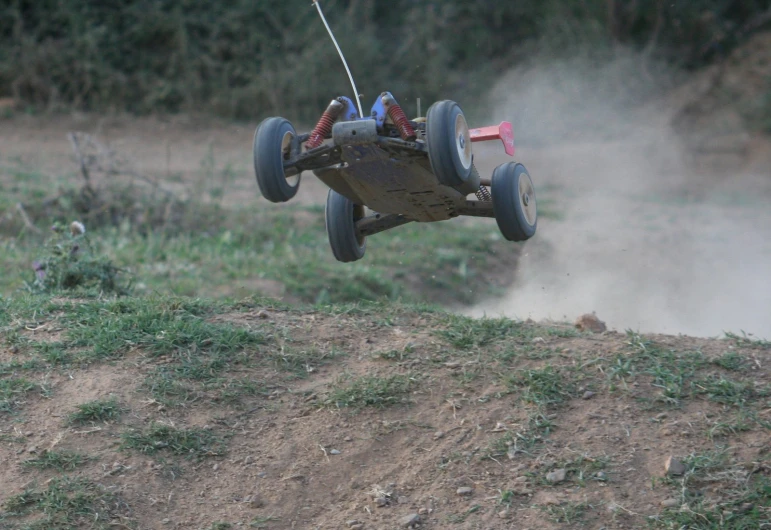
(449,144)
(341,215)
(272,146)
(514,202)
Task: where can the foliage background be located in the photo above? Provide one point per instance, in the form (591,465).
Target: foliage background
(245,59)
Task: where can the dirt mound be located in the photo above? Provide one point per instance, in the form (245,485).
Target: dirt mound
(176,413)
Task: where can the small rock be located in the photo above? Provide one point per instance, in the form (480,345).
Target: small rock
(556,476)
(410,520)
(334,452)
(380,501)
(166,521)
(438,435)
(347,439)
(590,322)
(550,500)
(669,503)
(359,526)
(423,511)
(215,467)
(263,314)
(465,491)
(746,507)
(503,514)
(353,522)
(674,467)
(255,501)
(248,460)
(538,339)
(32,449)
(601,475)
(588,394)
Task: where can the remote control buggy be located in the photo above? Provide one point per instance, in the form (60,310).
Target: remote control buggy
(385,170)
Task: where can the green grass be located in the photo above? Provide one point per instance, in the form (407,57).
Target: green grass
(744,500)
(97,411)
(64,503)
(193,443)
(58,460)
(542,387)
(370,391)
(13,392)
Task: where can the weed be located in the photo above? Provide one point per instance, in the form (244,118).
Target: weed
(728,392)
(568,513)
(300,362)
(100,410)
(72,264)
(369,391)
(746,341)
(12,392)
(194,443)
(465,332)
(260,522)
(159,326)
(731,361)
(65,503)
(58,460)
(542,387)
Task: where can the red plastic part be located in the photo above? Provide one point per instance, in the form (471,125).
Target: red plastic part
(502,132)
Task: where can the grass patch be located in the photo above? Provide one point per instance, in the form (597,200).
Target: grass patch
(730,361)
(729,392)
(100,410)
(65,503)
(193,443)
(568,513)
(58,460)
(465,332)
(746,341)
(744,500)
(12,393)
(158,326)
(370,391)
(542,387)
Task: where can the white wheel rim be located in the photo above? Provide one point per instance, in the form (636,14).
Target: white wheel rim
(527,198)
(286,152)
(463,141)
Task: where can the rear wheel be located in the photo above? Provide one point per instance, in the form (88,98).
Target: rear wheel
(449,143)
(341,215)
(273,141)
(514,202)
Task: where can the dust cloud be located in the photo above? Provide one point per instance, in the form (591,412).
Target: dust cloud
(633,225)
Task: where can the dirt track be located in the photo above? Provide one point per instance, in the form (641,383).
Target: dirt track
(380,414)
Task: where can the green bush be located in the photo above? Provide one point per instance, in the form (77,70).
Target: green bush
(250,59)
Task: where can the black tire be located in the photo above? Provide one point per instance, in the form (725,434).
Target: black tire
(270,149)
(449,143)
(514,202)
(341,215)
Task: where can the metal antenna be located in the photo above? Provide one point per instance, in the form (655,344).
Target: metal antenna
(324,20)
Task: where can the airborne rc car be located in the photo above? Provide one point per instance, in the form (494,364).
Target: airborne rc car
(401,170)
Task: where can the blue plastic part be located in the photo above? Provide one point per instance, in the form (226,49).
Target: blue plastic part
(349,112)
(378,112)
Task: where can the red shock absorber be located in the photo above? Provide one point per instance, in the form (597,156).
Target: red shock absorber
(397,115)
(324,127)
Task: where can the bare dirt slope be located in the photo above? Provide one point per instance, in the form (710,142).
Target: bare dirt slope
(373,417)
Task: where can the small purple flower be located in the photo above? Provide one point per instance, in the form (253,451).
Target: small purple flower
(40,269)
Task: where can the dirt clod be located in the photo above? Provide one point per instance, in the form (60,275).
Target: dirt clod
(674,467)
(590,322)
(410,520)
(556,476)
